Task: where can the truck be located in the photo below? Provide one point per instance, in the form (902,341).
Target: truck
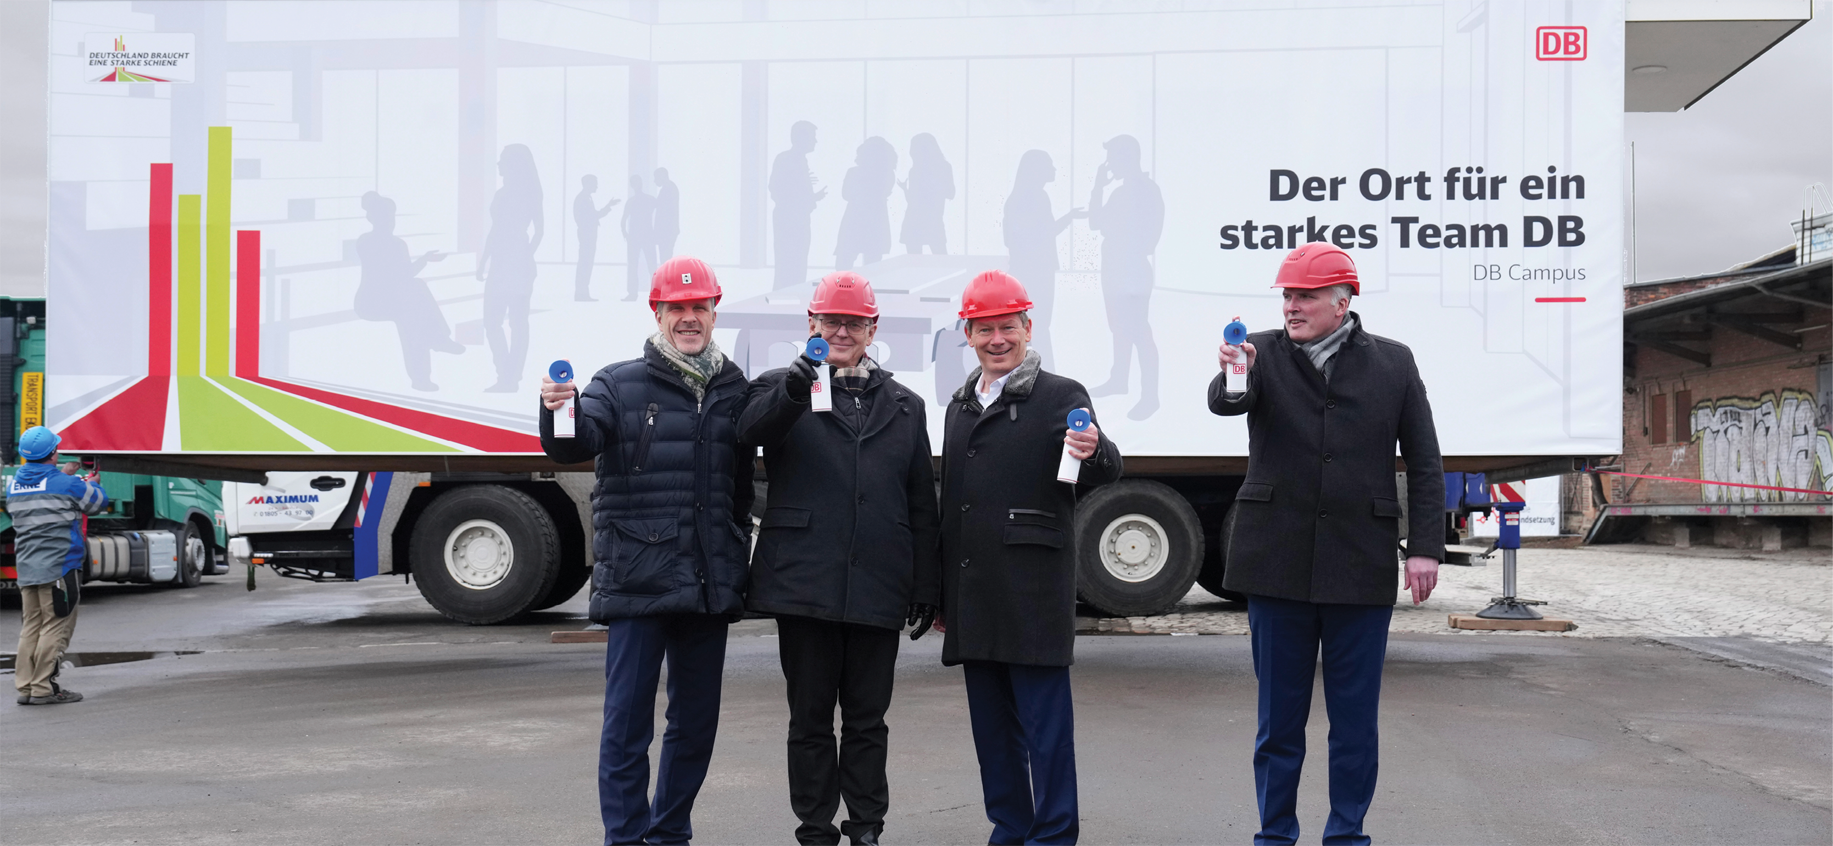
(332,255)
(157,530)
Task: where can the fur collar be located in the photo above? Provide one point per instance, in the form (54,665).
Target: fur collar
(1018,387)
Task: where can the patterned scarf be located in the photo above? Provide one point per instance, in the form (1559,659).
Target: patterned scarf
(855,379)
(696,369)
(1324,349)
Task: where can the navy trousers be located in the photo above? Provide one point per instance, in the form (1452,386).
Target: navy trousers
(1286,638)
(695,647)
(1025,737)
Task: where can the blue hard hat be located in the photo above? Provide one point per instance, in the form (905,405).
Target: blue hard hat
(38,443)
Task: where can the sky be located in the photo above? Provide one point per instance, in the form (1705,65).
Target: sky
(1716,185)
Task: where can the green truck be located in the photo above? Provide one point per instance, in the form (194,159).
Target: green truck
(157,530)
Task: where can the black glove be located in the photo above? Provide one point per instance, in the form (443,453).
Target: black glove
(800,378)
(922,616)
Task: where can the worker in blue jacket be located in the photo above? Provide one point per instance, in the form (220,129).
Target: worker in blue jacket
(47,506)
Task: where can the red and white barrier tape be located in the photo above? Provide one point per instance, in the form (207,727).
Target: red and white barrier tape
(1710,482)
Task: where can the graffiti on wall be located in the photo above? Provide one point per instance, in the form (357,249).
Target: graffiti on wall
(1781,440)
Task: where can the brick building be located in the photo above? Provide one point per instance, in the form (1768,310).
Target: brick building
(1726,379)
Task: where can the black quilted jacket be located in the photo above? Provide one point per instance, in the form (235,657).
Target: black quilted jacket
(672,476)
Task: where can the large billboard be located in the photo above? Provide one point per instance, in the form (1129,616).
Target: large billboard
(350,227)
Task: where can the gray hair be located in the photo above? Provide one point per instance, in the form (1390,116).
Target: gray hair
(1340,292)
(1024,319)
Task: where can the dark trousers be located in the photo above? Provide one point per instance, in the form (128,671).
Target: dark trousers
(1286,638)
(695,648)
(1025,737)
(825,664)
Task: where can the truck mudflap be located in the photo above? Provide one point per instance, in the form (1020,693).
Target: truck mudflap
(379,508)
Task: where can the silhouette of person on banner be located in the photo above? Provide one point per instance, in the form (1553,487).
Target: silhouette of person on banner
(639,227)
(391,290)
(865,227)
(1130,221)
(667,216)
(586,216)
(792,188)
(1031,242)
(930,185)
(507,264)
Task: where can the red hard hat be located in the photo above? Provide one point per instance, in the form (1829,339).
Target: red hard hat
(844,292)
(683,278)
(1318,265)
(993,293)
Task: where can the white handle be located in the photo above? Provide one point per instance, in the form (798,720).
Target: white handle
(820,395)
(1237,369)
(563,417)
(1070,468)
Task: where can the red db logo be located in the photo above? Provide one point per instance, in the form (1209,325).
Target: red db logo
(1560,44)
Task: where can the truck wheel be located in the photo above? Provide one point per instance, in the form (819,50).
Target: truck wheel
(1138,548)
(1211,577)
(193,557)
(571,579)
(484,554)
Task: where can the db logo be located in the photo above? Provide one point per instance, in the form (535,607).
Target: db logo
(816,387)
(1560,44)
(687,278)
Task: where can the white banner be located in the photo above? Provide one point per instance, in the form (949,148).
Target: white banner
(379,221)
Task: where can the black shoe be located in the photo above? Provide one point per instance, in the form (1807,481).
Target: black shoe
(865,838)
(57,697)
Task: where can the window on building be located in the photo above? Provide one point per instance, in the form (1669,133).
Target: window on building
(1683,416)
(1658,419)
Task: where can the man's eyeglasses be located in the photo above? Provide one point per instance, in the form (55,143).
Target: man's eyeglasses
(853,327)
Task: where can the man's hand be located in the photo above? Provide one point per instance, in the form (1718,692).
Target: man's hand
(1226,355)
(72,468)
(554,394)
(1082,445)
(921,615)
(1422,576)
(800,378)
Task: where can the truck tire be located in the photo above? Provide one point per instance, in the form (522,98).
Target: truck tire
(571,579)
(193,557)
(1138,548)
(485,554)
(1213,569)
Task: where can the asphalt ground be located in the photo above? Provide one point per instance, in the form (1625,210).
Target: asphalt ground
(354,714)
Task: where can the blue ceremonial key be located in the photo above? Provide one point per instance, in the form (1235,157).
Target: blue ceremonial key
(562,372)
(1069,469)
(1234,335)
(819,398)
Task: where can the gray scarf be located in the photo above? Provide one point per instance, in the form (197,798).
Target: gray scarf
(696,369)
(854,379)
(1323,350)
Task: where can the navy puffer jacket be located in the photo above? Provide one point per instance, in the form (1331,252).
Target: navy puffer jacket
(671,508)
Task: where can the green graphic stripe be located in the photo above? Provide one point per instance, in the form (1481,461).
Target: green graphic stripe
(212,421)
(216,255)
(333,428)
(190,304)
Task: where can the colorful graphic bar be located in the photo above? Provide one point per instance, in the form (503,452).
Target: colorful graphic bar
(216,322)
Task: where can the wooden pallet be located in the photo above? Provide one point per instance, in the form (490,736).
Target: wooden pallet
(1475,623)
(591,636)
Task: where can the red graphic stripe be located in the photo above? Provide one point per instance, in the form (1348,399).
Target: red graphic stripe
(473,435)
(159,273)
(248,303)
(133,421)
(1559,299)
(1723,484)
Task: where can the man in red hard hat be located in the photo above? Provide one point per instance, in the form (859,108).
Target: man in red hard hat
(1009,562)
(1316,525)
(846,556)
(670,538)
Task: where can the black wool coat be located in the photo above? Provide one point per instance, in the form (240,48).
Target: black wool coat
(1316,519)
(671,476)
(850,531)
(1008,525)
